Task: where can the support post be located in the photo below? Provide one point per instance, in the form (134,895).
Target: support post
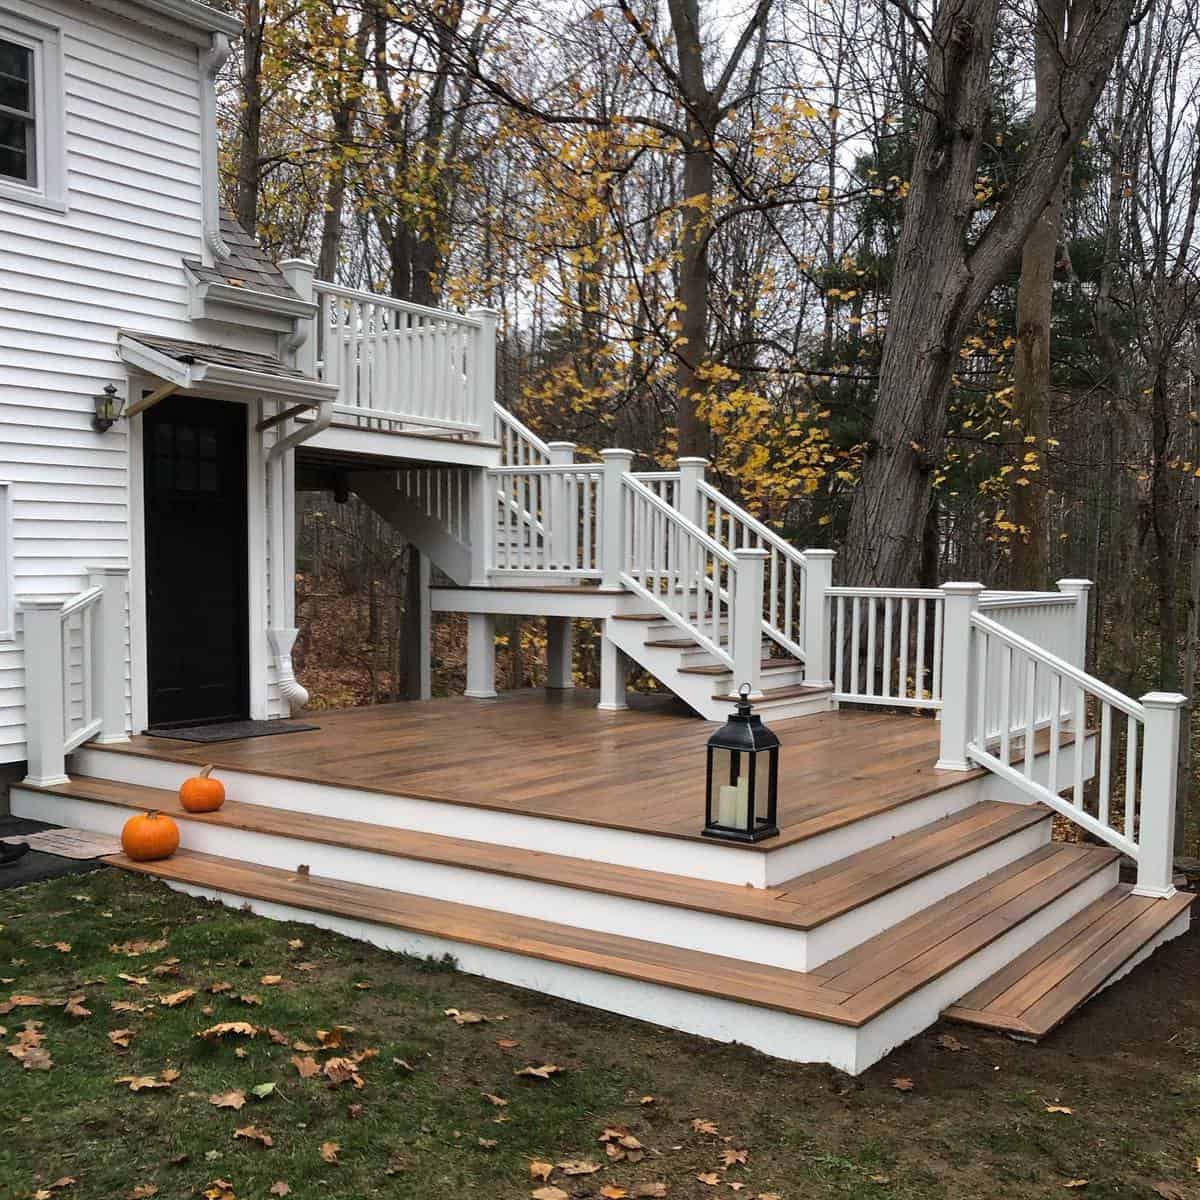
(560,520)
(418,632)
(613,667)
(746,634)
(560,652)
(301,345)
(612,534)
(691,474)
(481,656)
(1078,588)
(1160,783)
(484,518)
(958,674)
(45,728)
(109,649)
(484,384)
(817,639)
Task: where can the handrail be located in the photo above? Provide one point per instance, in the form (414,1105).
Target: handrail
(420,310)
(550,469)
(82,600)
(516,438)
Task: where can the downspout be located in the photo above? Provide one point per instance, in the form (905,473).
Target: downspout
(281,632)
(211,62)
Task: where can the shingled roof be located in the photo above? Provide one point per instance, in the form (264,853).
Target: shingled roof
(197,352)
(247,264)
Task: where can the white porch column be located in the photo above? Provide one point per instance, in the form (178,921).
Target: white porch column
(1078,588)
(815,634)
(45,727)
(483,521)
(746,635)
(613,668)
(1160,781)
(612,533)
(560,652)
(483,386)
(301,346)
(562,454)
(958,674)
(691,473)
(419,619)
(109,650)
(481,656)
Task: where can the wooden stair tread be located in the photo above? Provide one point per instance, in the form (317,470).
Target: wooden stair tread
(961,925)
(767,664)
(1038,990)
(791,692)
(801,903)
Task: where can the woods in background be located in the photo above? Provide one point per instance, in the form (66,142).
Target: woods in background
(921,282)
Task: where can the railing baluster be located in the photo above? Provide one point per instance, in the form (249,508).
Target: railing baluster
(839,649)
(1131,777)
(1080,735)
(1006,663)
(902,663)
(886,689)
(855,628)
(919,655)
(1104,750)
(1030,716)
(1055,725)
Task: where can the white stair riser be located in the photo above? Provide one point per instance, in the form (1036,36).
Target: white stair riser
(729,936)
(782,1035)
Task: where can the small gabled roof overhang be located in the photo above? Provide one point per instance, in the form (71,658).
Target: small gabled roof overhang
(187,19)
(188,366)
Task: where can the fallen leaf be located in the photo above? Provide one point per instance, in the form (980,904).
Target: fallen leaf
(144,1083)
(610,1191)
(341,1070)
(901,1084)
(252,1133)
(507,1043)
(249,999)
(235,1099)
(542,1072)
(280,1039)
(136,980)
(1059,1108)
(307,1066)
(74,1006)
(228,1029)
(401,1063)
(466,1017)
(241,1052)
(646,1100)
(1076,1183)
(138,947)
(329,1151)
(549,1193)
(169,1075)
(127,1006)
(1169,1191)
(541,1170)
(175,999)
(363,986)
(575,1166)
(734,1157)
(271,980)
(143,1191)
(498,1101)
(262,1090)
(947,1041)
(121,1037)
(650,1189)
(354,1111)
(709,1177)
(280,1188)
(20,1002)
(880,1178)
(488,1143)
(700,1125)
(295,944)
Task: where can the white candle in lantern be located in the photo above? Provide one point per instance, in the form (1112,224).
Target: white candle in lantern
(733,810)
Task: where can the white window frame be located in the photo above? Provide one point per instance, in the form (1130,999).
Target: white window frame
(45,41)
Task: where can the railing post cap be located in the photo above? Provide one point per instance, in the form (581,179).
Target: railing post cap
(615,454)
(750,552)
(1162,700)
(483,311)
(562,445)
(819,553)
(692,460)
(39,603)
(297,264)
(962,589)
(1073,585)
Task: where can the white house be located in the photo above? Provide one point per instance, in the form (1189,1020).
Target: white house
(164,390)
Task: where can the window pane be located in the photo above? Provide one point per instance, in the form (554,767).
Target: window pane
(16,74)
(15,158)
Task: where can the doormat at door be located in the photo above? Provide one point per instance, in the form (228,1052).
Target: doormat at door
(231,731)
(69,843)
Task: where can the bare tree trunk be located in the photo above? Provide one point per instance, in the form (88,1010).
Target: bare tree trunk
(250,142)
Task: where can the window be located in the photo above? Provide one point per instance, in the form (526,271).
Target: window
(31,127)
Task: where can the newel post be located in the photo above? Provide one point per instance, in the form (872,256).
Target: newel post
(1078,588)
(300,273)
(484,383)
(45,727)
(691,475)
(562,454)
(958,674)
(817,639)
(746,633)
(612,535)
(1160,781)
(109,651)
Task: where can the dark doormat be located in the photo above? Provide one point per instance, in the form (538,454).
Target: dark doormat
(36,866)
(230,731)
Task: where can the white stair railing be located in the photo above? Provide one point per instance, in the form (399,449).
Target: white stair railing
(398,364)
(548,520)
(519,445)
(74,672)
(994,716)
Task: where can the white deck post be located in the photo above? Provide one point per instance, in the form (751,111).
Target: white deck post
(484,384)
(45,725)
(481,656)
(483,521)
(612,539)
(746,634)
(562,454)
(560,652)
(958,674)
(1078,588)
(613,667)
(300,273)
(418,633)
(1160,780)
(815,634)
(109,651)
(687,501)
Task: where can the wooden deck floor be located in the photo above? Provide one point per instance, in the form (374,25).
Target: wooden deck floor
(553,754)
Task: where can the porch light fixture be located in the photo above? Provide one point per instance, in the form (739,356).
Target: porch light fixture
(109,406)
(743,777)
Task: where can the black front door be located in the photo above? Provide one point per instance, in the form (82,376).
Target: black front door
(196,609)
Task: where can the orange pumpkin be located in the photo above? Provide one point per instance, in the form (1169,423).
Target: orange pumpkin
(150,836)
(202,794)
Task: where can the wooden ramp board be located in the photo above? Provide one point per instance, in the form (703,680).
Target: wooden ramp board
(805,902)
(849,991)
(1037,991)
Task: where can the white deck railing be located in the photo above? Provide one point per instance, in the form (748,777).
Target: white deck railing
(400,365)
(75,672)
(519,445)
(548,520)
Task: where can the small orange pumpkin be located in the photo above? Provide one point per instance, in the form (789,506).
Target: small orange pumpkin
(202,794)
(150,836)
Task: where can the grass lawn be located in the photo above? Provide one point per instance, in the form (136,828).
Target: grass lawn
(442,1111)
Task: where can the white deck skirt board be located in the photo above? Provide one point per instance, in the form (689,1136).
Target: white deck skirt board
(673,925)
(531,601)
(345,440)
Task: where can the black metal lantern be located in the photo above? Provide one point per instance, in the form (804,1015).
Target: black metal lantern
(743,777)
(109,406)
